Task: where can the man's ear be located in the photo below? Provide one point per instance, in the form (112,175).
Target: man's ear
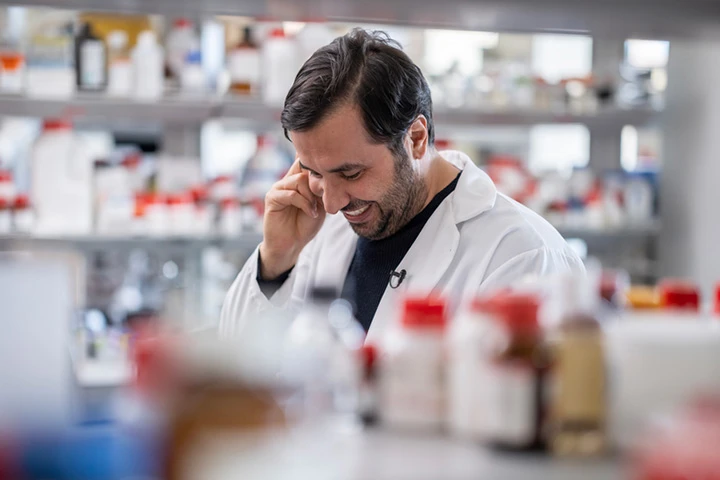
(418,135)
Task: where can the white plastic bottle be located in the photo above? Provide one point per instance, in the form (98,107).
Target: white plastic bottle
(23,215)
(467,357)
(322,349)
(266,167)
(148,67)
(62,178)
(120,68)
(314,35)
(181,41)
(193,79)
(279,66)
(5,218)
(412,368)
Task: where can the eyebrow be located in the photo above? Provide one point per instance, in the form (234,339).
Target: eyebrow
(347,167)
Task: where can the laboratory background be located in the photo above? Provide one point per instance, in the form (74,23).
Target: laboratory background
(137,140)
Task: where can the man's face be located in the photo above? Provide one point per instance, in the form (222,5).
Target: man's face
(377,192)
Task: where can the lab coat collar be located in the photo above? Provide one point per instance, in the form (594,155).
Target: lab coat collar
(475,192)
(431,254)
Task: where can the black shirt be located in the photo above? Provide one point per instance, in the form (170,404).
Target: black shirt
(374,260)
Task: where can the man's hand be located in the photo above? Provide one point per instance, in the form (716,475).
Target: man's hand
(293,216)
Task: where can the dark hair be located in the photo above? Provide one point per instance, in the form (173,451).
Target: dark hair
(371,70)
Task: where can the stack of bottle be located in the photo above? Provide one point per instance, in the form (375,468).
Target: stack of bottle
(93,56)
(126,192)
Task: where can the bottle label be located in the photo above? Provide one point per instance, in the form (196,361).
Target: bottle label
(509,400)
(413,392)
(244,66)
(579,378)
(92,64)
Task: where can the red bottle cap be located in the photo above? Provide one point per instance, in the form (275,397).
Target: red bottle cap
(222,179)
(229,202)
(679,294)
(5,176)
(182,23)
(424,313)
(199,193)
(277,33)
(22,201)
(179,199)
(442,144)
(4,204)
(717,299)
(517,311)
(56,124)
(368,356)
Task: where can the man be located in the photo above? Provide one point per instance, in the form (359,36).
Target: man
(403,216)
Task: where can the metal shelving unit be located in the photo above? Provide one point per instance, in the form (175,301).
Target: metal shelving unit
(641,18)
(252,113)
(93,243)
(646,231)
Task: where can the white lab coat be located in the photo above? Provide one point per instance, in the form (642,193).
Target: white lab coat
(476,240)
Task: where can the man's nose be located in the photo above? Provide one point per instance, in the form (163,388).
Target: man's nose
(333,198)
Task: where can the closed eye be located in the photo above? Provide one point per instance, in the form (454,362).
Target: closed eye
(354,176)
(312,173)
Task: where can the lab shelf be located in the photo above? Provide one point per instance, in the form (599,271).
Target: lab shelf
(246,241)
(641,231)
(643,18)
(107,110)
(251,113)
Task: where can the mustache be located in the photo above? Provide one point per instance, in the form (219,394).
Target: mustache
(354,205)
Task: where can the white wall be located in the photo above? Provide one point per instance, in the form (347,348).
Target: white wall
(690,187)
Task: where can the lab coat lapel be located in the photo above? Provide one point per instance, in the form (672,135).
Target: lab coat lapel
(338,251)
(425,263)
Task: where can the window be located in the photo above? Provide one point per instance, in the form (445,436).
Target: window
(443,48)
(647,54)
(558,148)
(555,57)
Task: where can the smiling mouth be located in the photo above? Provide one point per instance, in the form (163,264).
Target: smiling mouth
(356,213)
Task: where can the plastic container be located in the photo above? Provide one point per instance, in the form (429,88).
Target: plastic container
(279,67)
(23,215)
(467,362)
(230,219)
(223,187)
(263,169)
(147,60)
(193,79)
(314,35)
(157,216)
(639,199)
(244,66)
(578,384)
(12,69)
(317,359)
(467,359)
(181,214)
(90,60)
(50,73)
(180,42)
(5,217)
(412,368)
(7,187)
(514,381)
(61,181)
(120,68)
